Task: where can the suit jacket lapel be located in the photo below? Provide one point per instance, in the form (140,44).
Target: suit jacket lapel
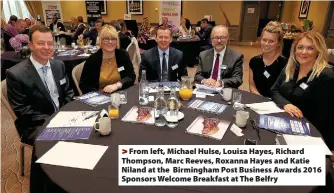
(56,75)
(157,62)
(209,60)
(34,76)
(171,63)
(226,61)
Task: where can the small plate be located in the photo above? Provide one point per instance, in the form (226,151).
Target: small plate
(180,115)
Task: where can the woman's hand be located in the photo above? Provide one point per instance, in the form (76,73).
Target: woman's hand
(110,88)
(293,110)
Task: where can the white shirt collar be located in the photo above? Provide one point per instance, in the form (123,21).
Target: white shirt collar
(38,65)
(222,53)
(161,52)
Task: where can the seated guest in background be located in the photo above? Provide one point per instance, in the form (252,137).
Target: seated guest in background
(266,67)
(74,24)
(305,86)
(12,20)
(220,66)
(110,68)
(93,33)
(80,29)
(164,22)
(163,63)
(56,24)
(124,40)
(144,31)
(185,27)
(38,86)
(204,34)
(28,21)
(124,30)
(11,31)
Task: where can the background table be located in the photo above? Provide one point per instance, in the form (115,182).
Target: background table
(104,177)
(10,58)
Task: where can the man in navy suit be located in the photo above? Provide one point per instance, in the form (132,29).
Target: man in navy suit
(163,63)
(38,86)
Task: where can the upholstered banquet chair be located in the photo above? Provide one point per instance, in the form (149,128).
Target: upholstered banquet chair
(134,53)
(4,99)
(76,75)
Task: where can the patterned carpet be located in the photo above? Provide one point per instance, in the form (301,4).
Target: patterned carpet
(13,182)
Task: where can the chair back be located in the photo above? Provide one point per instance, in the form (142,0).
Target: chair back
(76,75)
(4,99)
(134,53)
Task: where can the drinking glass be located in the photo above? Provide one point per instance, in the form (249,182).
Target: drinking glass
(236,97)
(226,93)
(123,96)
(186,90)
(113,111)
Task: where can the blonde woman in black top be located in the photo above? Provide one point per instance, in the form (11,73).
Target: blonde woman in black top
(305,88)
(266,67)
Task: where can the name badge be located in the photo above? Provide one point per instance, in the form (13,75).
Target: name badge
(266,74)
(120,69)
(303,86)
(175,67)
(62,81)
(224,67)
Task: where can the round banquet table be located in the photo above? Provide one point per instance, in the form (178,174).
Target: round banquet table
(10,58)
(104,177)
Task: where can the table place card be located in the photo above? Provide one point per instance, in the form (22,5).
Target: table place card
(73,155)
(200,96)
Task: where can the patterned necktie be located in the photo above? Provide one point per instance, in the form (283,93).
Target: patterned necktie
(215,68)
(164,70)
(47,84)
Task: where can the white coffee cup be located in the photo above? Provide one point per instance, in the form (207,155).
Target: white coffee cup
(104,126)
(227,94)
(241,118)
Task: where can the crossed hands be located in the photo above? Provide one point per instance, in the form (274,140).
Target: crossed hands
(212,83)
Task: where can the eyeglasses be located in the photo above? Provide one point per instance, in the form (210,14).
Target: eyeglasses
(109,39)
(219,38)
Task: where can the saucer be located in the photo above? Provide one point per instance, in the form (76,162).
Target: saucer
(180,115)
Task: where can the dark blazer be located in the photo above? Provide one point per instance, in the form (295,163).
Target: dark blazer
(231,76)
(90,76)
(92,35)
(59,25)
(6,37)
(124,40)
(151,63)
(81,28)
(204,34)
(30,99)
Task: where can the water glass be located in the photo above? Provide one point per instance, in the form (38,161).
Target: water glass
(236,97)
(123,96)
(226,93)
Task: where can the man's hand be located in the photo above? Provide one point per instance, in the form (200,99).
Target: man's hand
(209,82)
(110,88)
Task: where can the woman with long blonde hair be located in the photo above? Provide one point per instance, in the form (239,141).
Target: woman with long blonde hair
(306,86)
(266,67)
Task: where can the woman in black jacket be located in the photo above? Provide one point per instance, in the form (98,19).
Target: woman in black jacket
(110,68)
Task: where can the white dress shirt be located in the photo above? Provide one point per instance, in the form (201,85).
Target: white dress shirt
(161,57)
(51,85)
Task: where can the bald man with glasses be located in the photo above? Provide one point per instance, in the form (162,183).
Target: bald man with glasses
(221,65)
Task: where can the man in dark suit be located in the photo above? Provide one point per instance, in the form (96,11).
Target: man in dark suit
(220,66)
(204,34)
(56,24)
(163,63)
(80,29)
(38,86)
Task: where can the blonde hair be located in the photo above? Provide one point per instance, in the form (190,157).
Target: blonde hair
(320,63)
(108,31)
(274,27)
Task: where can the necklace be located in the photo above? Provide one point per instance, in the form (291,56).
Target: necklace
(109,60)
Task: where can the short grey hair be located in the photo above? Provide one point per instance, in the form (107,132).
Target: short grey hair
(220,27)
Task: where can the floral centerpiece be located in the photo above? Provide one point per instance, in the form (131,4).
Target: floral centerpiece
(20,44)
